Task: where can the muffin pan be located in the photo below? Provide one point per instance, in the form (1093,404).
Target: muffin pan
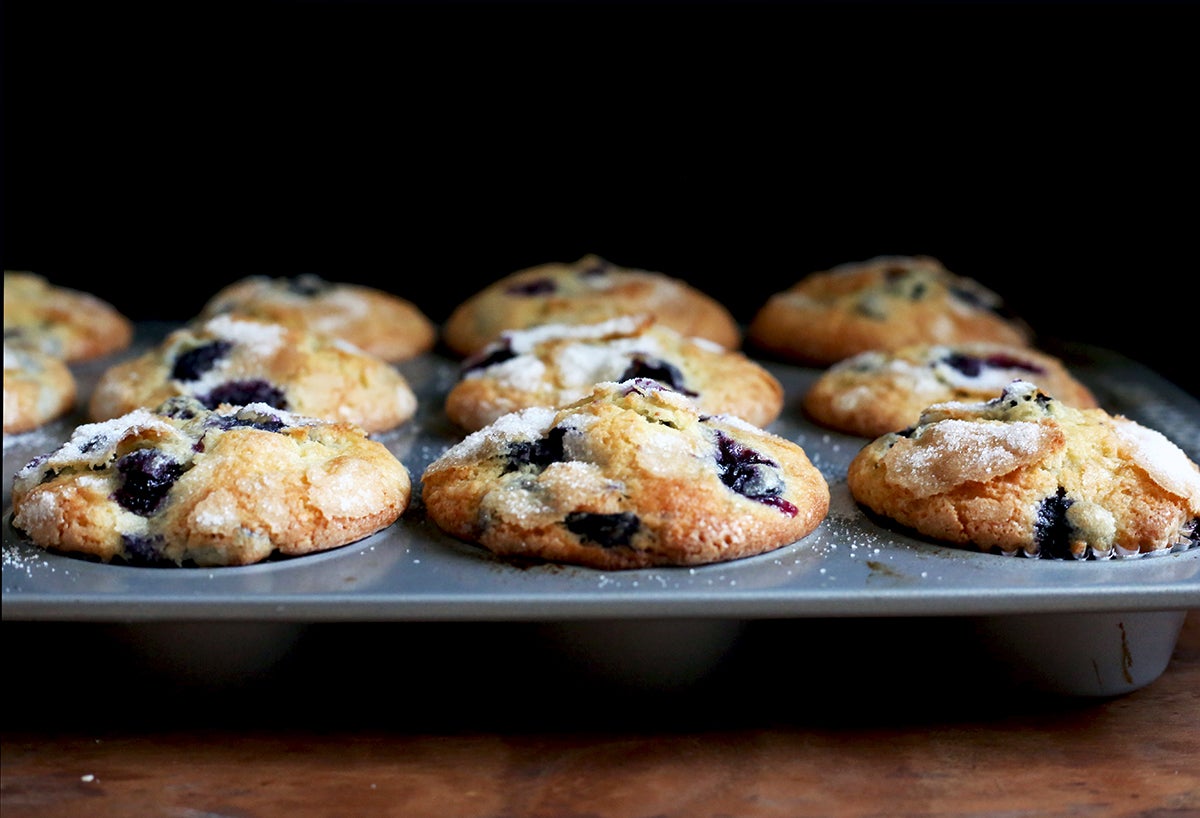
(1082,628)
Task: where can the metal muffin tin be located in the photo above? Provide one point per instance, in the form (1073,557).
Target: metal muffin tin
(1082,628)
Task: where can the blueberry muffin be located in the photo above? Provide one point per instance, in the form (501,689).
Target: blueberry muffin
(883,303)
(239,360)
(556,364)
(586,292)
(185,485)
(1026,474)
(872,393)
(375,321)
(38,388)
(60,321)
(631,476)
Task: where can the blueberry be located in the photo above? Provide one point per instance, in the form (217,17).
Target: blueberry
(971,366)
(605,530)
(146,477)
(641,386)
(36,461)
(246,419)
(642,366)
(143,549)
(538,286)
(307,285)
(191,365)
(1006,397)
(539,453)
(905,283)
(968,296)
(240,393)
(92,443)
(1051,531)
(47,475)
(494,354)
(982,300)
(180,407)
(750,474)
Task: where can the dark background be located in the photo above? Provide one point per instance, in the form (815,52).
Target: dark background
(154,152)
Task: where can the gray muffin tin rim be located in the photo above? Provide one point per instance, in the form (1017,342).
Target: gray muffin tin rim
(850,566)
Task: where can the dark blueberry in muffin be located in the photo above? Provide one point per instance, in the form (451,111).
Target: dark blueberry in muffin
(38,461)
(971,297)
(539,453)
(92,443)
(1051,530)
(493,354)
(146,477)
(143,549)
(240,393)
(641,386)
(605,530)
(971,365)
(191,365)
(307,285)
(980,298)
(750,474)
(904,283)
(1006,397)
(642,366)
(538,286)
(246,419)
(180,407)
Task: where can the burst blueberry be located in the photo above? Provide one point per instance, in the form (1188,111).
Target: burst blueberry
(1051,529)
(641,386)
(146,477)
(750,474)
(240,393)
(144,549)
(181,407)
(539,453)
(494,354)
(643,366)
(538,286)
(193,364)
(605,530)
(1008,397)
(266,423)
(92,444)
(968,296)
(307,285)
(972,366)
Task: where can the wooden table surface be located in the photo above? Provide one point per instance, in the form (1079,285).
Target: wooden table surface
(818,718)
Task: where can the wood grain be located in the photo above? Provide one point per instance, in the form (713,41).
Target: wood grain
(781,739)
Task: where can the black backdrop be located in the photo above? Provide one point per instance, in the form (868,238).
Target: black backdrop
(153,152)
